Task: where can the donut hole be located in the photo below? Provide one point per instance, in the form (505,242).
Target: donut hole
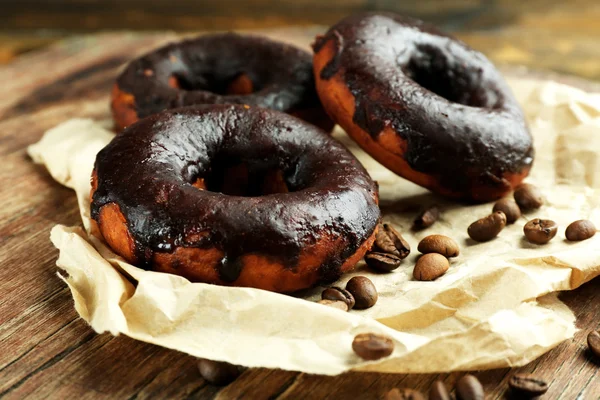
(240,179)
(431,68)
(238,84)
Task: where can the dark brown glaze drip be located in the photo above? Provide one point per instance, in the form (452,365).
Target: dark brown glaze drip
(446,100)
(149,169)
(281,74)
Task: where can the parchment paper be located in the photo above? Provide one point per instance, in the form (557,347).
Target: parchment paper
(496,306)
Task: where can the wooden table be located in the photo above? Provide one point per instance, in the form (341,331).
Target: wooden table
(48,352)
(555,35)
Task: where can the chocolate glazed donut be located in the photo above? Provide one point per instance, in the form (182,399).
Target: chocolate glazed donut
(424,105)
(219,69)
(234,196)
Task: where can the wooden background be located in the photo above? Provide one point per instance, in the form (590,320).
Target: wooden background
(47,352)
(558,35)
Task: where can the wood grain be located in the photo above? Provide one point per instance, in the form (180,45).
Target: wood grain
(576,16)
(47,352)
(553,35)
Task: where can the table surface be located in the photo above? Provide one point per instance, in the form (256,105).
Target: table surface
(48,352)
(557,35)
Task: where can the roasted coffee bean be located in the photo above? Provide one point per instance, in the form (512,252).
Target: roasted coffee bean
(403,394)
(439,392)
(487,228)
(527,386)
(430,266)
(339,304)
(384,262)
(371,346)
(426,218)
(528,197)
(580,230)
(439,244)
(364,292)
(593,340)
(469,388)
(510,208)
(337,293)
(388,240)
(217,372)
(540,231)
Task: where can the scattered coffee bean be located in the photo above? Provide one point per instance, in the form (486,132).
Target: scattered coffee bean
(593,340)
(403,394)
(384,262)
(438,391)
(527,386)
(540,231)
(339,304)
(580,230)
(528,197)
(217,372)
(487,228)
(364,292)
(371,346)
(337,293)
(430,266)
(469,388)
(388,240)
(439,244)
(426,218)
(510,208)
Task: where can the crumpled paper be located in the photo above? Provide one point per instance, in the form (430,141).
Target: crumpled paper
(496,306)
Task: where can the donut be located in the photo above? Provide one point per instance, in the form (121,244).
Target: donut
(424,105)
(234,195)
(219,69)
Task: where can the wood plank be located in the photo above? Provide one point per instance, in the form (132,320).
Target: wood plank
(14,44)
(47,352)
(540,35)
(182,15)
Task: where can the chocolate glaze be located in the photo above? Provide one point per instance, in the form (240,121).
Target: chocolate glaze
(280,73)
(149,169)
(458,117)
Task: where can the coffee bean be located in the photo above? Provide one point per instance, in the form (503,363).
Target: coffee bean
(487,228)
(364,292)
(388,240)
(510,208)
(403,394)
(540,231)
(438,391)
(593,340)
(337,293)
(528,197)
(469,388)
(217,372)
(580,230)
(426,218)
(439,244)
(430,266)
(527,386)
(384,262)
(339,304)
(371,346)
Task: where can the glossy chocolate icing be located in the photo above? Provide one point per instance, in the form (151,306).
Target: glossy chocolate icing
(148,170)
(458,117)
(281,74)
